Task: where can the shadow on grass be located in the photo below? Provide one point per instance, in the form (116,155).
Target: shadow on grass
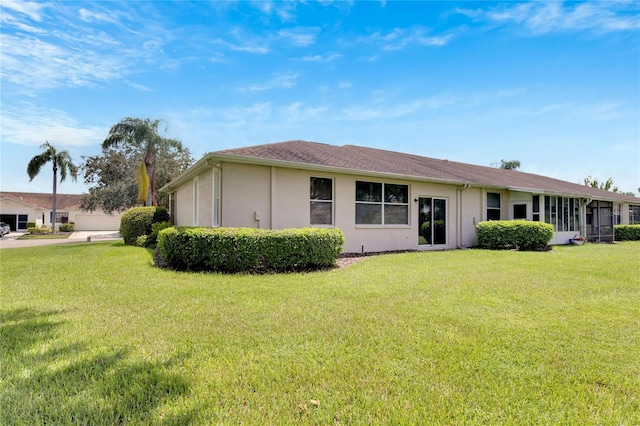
(44,382)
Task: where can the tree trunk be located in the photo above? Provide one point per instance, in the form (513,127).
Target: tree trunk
(55,183)
(150,195)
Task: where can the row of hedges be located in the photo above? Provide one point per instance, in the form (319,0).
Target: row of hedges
(138,221)
(514,234)
(627,232)
(249,249)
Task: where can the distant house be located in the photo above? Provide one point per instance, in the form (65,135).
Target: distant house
(19,208)
(384,200)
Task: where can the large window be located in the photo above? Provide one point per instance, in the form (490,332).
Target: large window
(382,203)
(563,213)
(321,204)
(634,215)
(493,206)
(61,217)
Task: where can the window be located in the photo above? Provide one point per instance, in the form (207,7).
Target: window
(382,203)
(61,217)
(563,213)
(493,206)
(519,211)
(195,201)
(536,208)
(634,215)
(321,204)
(22,221)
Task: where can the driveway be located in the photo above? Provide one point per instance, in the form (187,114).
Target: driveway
(11,240)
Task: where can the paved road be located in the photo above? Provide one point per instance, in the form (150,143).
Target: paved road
(11,241)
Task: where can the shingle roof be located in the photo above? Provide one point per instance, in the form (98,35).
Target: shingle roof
(44,201)
(358,158)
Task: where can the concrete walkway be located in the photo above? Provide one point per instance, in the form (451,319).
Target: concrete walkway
(11,240)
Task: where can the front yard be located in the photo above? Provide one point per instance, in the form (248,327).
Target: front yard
(94,334)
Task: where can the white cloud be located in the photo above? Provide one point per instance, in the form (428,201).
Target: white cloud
(278,81)
(300,36)
(400,38)
(29,124)
(31,9)
(321,58)
(540,18)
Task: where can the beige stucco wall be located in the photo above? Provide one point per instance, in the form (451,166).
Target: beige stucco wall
(183,215)
(266,197)
(246,196)
(84,221)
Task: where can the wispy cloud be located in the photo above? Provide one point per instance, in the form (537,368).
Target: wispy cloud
(399,38)
(321,58)
(539,18)
(379,109)
(300,36)
(31,9)
(84,50)
(278,81)
(30,124)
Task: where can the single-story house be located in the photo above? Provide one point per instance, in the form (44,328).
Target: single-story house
(19,208)
(383,200)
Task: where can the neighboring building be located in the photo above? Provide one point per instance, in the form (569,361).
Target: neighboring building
(383,200)
(19,208)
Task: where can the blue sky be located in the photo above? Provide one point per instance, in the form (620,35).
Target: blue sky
(555,85)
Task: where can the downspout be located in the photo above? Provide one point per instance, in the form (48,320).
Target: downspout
(459,243)
(583,217)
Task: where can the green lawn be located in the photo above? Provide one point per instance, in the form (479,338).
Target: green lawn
(43,237)
(94,334)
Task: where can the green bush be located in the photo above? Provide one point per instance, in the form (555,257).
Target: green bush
(626,232)
(514,234)
(138,221)
(39,230)
(152,238)
(31,225)
(141,241)
(67,227)
(249,249)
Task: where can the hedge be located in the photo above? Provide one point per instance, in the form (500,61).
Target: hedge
(249,249)
(137,221)
(514,234)
(626,232)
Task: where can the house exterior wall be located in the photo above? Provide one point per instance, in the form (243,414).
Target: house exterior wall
(246,196)
(84,221)
(270,197)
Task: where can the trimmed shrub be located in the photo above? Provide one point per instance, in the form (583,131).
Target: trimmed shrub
(138,220)
(39,231)
(152,238)
(31,225)
(141,241)
(514,234)
(67,227)
(626,232)
(249,249)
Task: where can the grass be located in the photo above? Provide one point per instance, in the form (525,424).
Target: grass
(43,237)
(94,334)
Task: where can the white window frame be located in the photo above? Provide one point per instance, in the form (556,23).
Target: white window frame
(315,200)
(382,203)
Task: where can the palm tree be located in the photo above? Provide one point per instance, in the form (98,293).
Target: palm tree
(61,162)
(143,135)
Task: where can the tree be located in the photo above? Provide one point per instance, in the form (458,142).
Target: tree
(111,177)
(143,135)
(595,183)
(61,162)
(509,165)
